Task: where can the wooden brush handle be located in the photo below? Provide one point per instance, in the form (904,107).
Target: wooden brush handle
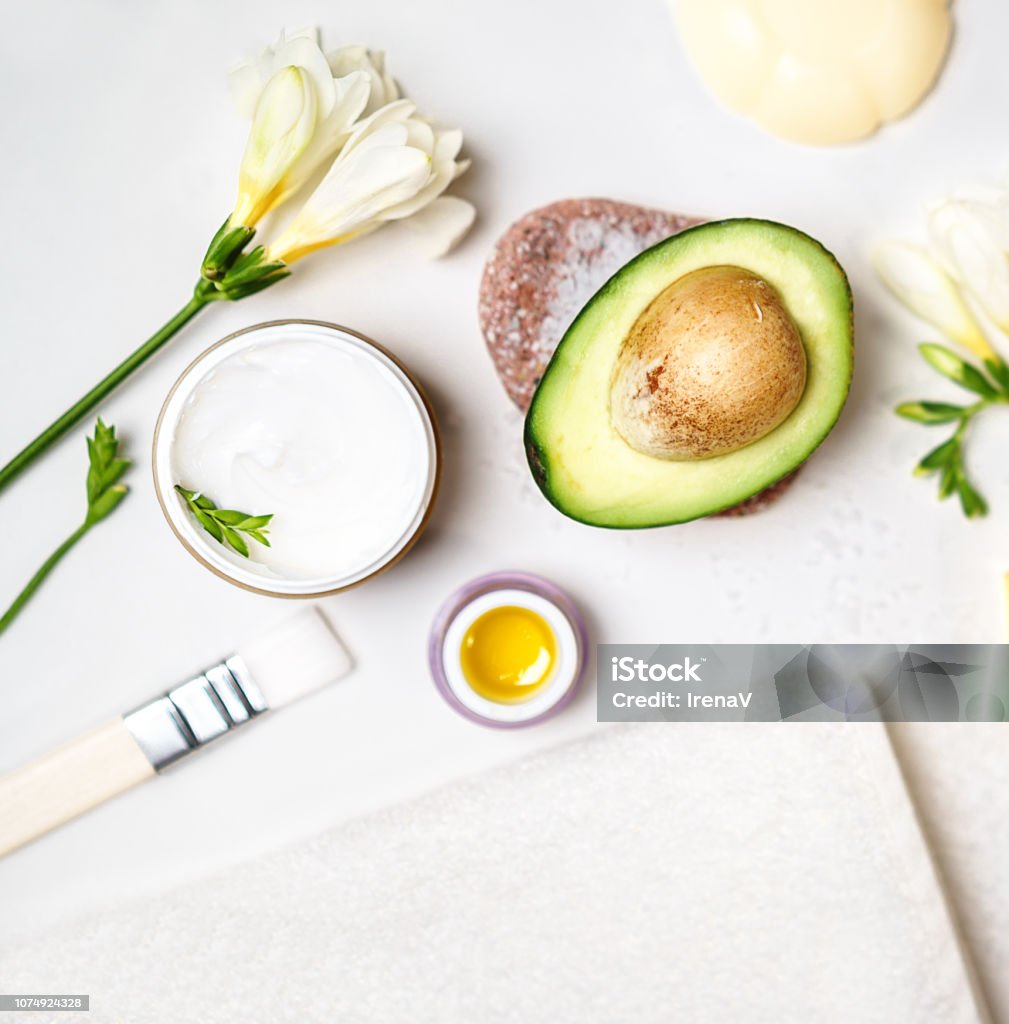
(69,781)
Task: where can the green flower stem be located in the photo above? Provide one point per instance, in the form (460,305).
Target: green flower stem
(202,295)
(36,581)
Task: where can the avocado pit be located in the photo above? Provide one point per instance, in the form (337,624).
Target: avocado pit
(713,364)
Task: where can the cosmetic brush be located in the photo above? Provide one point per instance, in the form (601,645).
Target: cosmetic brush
(289,662)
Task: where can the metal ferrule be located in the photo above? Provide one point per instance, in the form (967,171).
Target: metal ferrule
(193,714)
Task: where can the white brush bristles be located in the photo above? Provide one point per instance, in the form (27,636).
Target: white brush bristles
(296,658)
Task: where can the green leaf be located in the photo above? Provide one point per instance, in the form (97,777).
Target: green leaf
(999,371)
(946,453)
(104,435)
(93,486)
(255,522)
(245,291)
(209,525)
(958,370)
(225,525)
(930,413)
(251,274)
(948,480)
(973,505)
(229,517)
(224,249)
(114,471)
(106,503)
(236,541)
(104,471)
(252,258)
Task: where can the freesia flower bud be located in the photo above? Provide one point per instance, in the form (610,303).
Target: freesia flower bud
(281,130)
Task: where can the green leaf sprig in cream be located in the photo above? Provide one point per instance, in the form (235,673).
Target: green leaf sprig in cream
(226,525)
(962,275)
(104,493)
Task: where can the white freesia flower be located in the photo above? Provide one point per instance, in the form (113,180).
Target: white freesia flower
(969,238)
(927,290)
(301,115)
(393,165)
(348,59)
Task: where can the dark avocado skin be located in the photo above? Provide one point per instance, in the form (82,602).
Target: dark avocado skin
(537,463)
(538,458)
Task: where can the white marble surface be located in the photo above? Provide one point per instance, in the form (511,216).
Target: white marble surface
(120,154)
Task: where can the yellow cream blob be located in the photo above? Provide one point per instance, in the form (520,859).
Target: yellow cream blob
(508,653)
(817,71)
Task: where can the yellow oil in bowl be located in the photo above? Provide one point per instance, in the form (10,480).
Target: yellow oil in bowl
(508,654)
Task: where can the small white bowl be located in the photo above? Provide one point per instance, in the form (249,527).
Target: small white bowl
(215,556)
(564,671)
(498,590)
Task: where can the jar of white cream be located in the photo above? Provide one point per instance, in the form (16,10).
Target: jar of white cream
(309,423)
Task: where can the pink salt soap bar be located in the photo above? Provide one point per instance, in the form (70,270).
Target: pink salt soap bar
(544,269)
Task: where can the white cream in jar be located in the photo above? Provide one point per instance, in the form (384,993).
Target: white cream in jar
(315,426)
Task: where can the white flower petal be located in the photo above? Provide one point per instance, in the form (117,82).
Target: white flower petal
(390,87)
(247,81)
(927,290)
(359,58)
(308,32)
(350,58)
(390,172)
(354,84)
(420,136)
(355,192)
(448,145)
(303,52)
(292,49)
(441,224)
(967,237)
(395,134)
(393,113)
(996,201)
(281,130)
(443,173)
(438,180)
(249,77)
(331,134)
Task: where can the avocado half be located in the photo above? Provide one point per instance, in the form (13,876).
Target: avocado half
(583,464)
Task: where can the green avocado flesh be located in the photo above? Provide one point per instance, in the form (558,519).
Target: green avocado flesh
(586,469)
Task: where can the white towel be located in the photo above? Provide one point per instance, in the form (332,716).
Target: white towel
(959,778)
(760,874)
